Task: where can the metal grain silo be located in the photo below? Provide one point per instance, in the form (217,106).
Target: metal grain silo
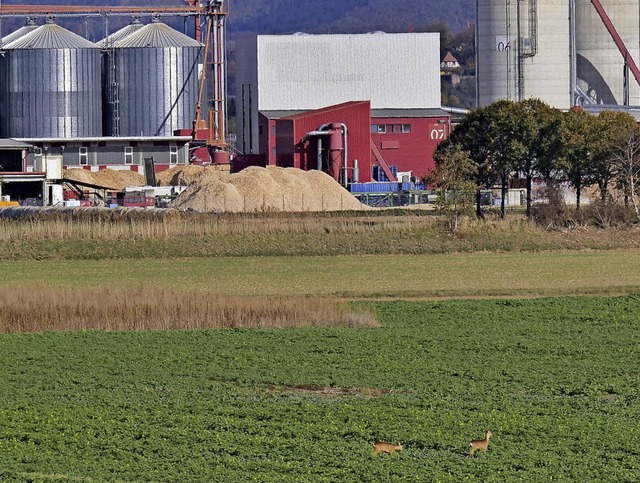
(29,27)
(52,86)
(110,102)
(524,51)
(600,66)
(125,31)
(156,72)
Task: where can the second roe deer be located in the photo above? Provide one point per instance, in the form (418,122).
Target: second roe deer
(481,444)
(380,446)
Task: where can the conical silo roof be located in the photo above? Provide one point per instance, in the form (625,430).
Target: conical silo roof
(50,36)
(156,35)
(111,39)
(30,27)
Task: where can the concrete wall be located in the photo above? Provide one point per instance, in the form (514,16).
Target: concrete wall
(537,66)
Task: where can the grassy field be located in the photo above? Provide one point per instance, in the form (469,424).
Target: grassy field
(206,236)
(554,379)
(382,276)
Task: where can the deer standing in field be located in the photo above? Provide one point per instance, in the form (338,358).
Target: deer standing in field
(481,444)
(389,448)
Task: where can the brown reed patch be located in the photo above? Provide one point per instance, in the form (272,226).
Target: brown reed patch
(168,224)
(145,308)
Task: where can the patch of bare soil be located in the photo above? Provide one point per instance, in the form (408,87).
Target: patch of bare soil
(333,391)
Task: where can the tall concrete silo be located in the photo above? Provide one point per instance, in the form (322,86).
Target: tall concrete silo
(51,86)
(600,65)
(523,51)
(156,79)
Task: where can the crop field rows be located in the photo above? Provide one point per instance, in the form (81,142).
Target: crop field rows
(555,379)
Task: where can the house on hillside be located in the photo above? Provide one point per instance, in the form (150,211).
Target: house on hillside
(449,69)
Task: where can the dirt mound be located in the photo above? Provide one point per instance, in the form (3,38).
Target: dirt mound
(266,189)
(81,175)
(110,178)
(185,175)
(179,176)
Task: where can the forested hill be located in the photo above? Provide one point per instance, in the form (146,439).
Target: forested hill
(322,16)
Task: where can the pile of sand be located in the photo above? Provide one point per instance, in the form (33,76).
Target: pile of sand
(109,178)
(265,189)
(185,175)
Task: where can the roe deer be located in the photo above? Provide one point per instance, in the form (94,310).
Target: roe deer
(482,444)
(379,446)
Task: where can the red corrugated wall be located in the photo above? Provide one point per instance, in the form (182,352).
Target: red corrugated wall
(355,115)
(411,151)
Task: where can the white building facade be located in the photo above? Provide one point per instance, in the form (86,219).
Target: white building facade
(303,72)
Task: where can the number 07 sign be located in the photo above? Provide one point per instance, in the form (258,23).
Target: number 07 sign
(503,44)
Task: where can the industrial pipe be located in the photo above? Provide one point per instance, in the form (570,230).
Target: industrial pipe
(336,149)
(319,132)
(346,151)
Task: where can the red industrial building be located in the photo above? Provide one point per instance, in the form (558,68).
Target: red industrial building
(404,138)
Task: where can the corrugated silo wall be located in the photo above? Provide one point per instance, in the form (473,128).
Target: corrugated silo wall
(600,64)
(51,93)
(157,89)
(3,98)
(538,65)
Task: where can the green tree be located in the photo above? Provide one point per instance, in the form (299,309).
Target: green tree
(453,178)
(470,137)
(535,121)
(504,143)
(579,144)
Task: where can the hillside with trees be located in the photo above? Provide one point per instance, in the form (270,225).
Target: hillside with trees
(320,16)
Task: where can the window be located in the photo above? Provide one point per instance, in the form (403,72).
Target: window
(374,129)
(397,128)
(389,128)
(37,152)
(382,128)
(173,154)
(406,128)
(128,155)
(84,156)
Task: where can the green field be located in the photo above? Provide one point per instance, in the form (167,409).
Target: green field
(556,380)
(373,276)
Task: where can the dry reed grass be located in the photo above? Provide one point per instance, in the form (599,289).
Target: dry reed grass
(49,309)
(105,224)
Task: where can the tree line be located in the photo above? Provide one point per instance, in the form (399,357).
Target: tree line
(531,140)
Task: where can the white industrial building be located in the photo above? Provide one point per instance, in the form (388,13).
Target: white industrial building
(303,72)
(560,51)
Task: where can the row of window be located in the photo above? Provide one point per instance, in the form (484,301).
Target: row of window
(390,128)
(83,153)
